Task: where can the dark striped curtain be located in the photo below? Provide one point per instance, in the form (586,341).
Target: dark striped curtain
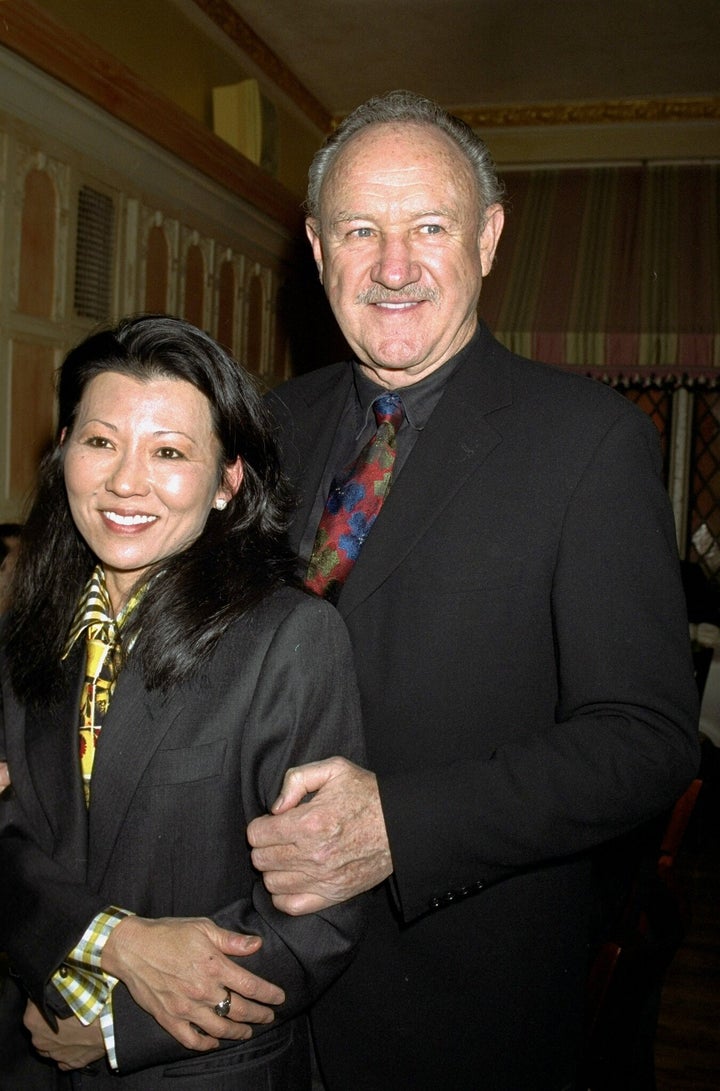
(612,269)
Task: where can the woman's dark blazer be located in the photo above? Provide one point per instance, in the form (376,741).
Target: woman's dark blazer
(175,782)
(522,651)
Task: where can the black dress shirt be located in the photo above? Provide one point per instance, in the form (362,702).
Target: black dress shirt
(357,424)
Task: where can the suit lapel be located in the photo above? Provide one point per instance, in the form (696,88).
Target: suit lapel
(134,727)
(456,440)
(307,450)
(454,443)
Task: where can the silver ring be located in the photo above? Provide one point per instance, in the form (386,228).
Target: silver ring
(223,1008)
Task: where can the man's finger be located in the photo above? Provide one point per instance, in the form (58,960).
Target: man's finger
(272,830)
(286,882)
(276,856)
(304,779)
(297,905)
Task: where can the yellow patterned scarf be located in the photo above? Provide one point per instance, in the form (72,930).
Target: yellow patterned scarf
(104,658)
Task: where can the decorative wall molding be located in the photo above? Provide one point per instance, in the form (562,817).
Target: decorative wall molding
(609,112)
(613,112)
(28,30)
(50,130)
(27,159)
(654,378)
(224,15)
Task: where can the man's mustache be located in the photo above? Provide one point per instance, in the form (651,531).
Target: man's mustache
(411,293)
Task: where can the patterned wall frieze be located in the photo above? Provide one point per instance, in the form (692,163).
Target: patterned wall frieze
(618,111)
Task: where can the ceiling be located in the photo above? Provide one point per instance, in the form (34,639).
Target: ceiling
(479,53)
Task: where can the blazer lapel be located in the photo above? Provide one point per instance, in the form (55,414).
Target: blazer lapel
(134,727)
(308,449)
(456,440)
(51,746)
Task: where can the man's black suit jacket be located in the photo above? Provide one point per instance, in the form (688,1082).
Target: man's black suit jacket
(175,782)
(521,645)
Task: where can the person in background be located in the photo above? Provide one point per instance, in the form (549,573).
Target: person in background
(497,537)
(159,672)
(9,545)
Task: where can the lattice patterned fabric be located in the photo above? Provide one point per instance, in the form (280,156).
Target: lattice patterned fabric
(83,985)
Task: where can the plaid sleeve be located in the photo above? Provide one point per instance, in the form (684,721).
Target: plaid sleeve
(82,983)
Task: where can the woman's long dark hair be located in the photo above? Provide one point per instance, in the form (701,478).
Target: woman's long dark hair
(240,556)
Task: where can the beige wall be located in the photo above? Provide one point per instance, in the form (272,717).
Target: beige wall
(158,43)
(179,243)
(629,142)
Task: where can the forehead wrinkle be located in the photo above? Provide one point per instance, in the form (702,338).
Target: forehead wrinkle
(361,186)
(414,214)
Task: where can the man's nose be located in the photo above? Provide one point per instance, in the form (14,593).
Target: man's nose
(395,267)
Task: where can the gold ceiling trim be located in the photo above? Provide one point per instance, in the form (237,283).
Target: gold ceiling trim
(698,108)
(591,113)
(224,15)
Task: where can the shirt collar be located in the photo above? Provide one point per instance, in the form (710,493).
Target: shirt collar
(419,399)
(95,607)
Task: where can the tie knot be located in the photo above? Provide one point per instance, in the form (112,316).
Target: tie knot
(388,408)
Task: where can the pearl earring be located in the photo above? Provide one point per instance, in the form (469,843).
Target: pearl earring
(220,504)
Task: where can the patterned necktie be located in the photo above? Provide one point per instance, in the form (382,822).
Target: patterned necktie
(103,659)
(356,496)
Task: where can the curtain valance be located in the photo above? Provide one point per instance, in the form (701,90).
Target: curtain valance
(612,268)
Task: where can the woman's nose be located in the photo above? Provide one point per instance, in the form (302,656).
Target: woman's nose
(128,475)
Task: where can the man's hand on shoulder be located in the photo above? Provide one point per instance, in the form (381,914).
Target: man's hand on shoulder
(316,854)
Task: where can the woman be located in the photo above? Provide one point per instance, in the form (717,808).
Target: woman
(160,676)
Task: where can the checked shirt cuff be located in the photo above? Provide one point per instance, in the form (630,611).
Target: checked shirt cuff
(83,985)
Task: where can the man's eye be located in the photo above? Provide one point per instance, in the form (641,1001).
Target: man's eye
(432,229)
(361,233)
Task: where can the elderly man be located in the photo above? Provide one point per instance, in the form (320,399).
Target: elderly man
(503,555)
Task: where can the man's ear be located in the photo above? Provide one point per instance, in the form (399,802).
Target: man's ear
(490,236)
(312,230)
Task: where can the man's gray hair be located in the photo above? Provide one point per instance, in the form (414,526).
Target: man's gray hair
(398,107)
